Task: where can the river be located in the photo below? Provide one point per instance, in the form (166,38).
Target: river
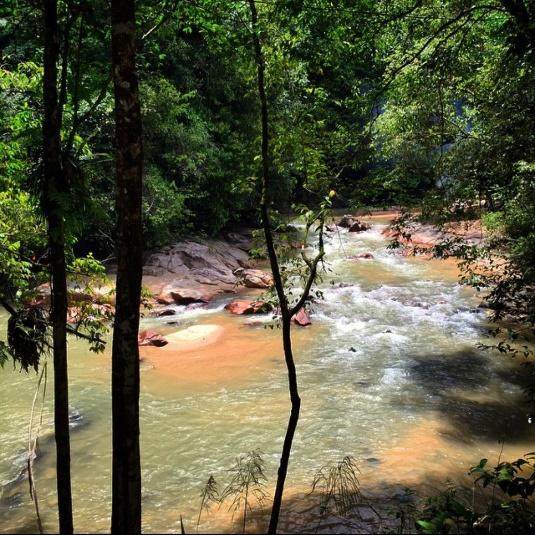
(389,373)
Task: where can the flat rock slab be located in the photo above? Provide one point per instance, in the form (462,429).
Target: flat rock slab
(195,335)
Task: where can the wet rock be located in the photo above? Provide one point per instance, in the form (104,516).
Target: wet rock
(353,224)
(302,318)
(243,306)
(165,298)
(186,296)
(420,305)
(363,256)
(76,419)
(373,460)
(346,221)
(331,228)
(242,241)
(151,338)
(254,278)
(358,226)
(352,349)
(166,312)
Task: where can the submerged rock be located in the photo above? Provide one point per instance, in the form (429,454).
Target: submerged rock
(363,256)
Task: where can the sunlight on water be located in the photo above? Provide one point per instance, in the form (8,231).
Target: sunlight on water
(389,373)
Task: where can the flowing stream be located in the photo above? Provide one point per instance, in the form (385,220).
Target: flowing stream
(389,373)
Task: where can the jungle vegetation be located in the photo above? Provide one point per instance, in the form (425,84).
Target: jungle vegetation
(126,125)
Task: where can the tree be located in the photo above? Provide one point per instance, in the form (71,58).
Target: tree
(55,189)
(287,310)
(126,470)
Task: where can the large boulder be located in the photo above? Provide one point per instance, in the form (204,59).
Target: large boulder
(244,306)
(151,338)
(254,278)
(352,224)
(171,295)
(213,260)
(358,226)
(186,296)
(346,221)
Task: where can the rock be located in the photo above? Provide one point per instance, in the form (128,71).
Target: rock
(346,221)
(151,338)
(243,306)
(166,312)
(165,299)
(330,228)
(357,226)
(186,296)
(302,318)
(254,278)
(171,295)
(353,224)
(241,241)
(364,256)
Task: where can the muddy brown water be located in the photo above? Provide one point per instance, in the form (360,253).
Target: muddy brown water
(389,373)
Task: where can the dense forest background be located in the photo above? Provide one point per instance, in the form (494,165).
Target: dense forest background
(386,103)
(428,105)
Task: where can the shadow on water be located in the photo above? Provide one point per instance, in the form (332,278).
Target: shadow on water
(463,385)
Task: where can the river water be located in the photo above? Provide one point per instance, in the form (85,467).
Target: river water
(389,373)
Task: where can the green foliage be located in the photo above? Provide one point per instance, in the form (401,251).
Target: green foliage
(502,504)
(247,483)
(445,513)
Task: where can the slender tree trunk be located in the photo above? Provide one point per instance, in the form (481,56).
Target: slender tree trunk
(126,500)
(54,189)
(286,313)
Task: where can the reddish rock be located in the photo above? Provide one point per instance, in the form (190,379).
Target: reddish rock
(151,338)
(165,299)
(184,296)
(243,306)
(365,256)
(302,318)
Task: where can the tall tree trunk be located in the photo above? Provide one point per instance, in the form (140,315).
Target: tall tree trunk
(286,313)
(55,188)
(126,487)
